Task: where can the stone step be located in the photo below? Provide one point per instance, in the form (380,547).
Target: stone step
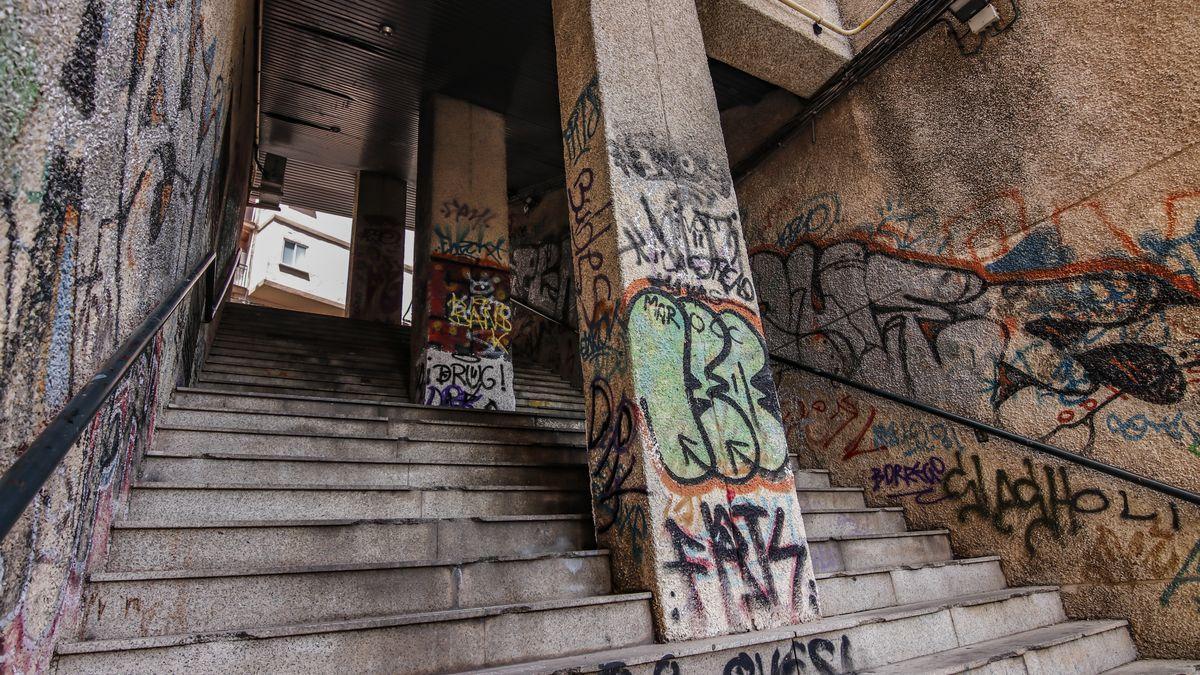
(1082,647)
(571,398)
(834,644)
(206,544)
(852,522)
(194,397)
(184,502)
(290,390)
(332,324)
(196,601)
(288,380)
(176,416)
(243,469)
(173,440)
(338,348)
(265,383)
(383,379)
(462,639)
(810,478)
(872,551)
(304,357)
(315,333)
(389,375)
(862,590)
(235,312)
(830,498)
(1156,667)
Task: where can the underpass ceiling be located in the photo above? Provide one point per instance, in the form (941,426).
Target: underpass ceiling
(339,93)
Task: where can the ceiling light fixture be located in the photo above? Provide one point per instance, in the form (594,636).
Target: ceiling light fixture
(386,30)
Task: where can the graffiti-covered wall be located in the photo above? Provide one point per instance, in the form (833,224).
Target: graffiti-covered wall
(541,279)
(121,126)
(1013,236)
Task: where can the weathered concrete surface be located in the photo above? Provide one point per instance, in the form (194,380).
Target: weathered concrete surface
(774,42)
(114,118)
(685,443)
(462,317)
(1010,237)
(376,289)
(541,267)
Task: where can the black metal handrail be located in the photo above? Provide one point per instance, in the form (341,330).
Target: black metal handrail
(22,481)
(517,301)
(1114,471)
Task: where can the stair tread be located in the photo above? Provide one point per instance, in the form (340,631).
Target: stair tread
(651,653)
(332,459)
(337,522)
(234,571)
(956,562)
(885,535)
(980,654)
(442,616)
(335,487)
(281,413)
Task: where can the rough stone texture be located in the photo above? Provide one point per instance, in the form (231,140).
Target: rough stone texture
(462,317)
(1012,237)
(541,278)
(125,132)
(774,42)
(377,250)
(692,490)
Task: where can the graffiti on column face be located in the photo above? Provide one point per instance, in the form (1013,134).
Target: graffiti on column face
(707,394)
(378,270)
(692,233)
(466,381)
(469,310)
(1092,347)
(464,232)
(583,121)
(542,272)
(1042,498)
(617,489)
(752,552)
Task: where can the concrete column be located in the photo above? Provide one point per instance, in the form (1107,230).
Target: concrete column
(461,313)
(691,486)
(376,289)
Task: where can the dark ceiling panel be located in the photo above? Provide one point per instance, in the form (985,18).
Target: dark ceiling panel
(315,187)
(338,92)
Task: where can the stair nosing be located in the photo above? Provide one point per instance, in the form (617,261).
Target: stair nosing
(339,522)
(883,535)
(908,567)
(327,487)
(330,568)
(345,625)
(328,459)
(976,651)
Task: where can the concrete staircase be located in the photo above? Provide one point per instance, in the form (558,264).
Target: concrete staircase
(297,514)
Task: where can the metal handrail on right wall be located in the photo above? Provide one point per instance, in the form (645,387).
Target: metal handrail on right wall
(1108,469)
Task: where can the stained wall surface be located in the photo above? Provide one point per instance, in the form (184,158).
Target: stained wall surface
(1010,236)
(541,279)
(121,126)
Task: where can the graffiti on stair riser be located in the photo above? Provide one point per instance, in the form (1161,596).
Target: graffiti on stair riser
(750,549)
(466,381)
(1042,498)
(813,655)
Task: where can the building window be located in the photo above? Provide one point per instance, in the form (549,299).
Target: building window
(293,253)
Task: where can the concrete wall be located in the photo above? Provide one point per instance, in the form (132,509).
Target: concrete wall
(541,278)
(1012,237)
(326,262)
(122,123)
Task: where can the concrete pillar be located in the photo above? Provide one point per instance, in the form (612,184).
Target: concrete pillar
(691,486)
(376,289)
(461,313)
